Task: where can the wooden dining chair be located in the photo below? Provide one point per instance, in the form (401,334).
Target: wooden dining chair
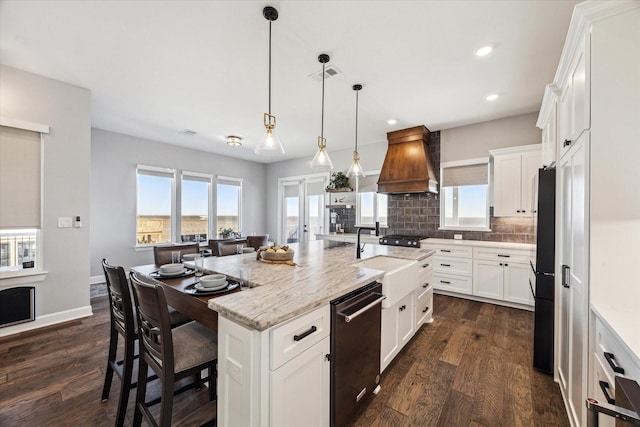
(124,323)
(229,247)
(173,354)
(257,241)
(213,245)
(162,253)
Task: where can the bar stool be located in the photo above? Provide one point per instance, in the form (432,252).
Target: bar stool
(173,354)
(123,323)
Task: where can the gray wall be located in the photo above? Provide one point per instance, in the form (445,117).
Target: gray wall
(64,294)
(114,158)
(474,141)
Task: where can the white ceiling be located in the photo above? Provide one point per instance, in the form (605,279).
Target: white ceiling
(157,67)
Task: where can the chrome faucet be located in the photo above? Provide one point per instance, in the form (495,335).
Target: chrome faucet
(360,249)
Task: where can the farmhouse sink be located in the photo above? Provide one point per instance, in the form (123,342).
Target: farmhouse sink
(400,276)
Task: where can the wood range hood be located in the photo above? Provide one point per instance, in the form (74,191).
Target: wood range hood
(407,167)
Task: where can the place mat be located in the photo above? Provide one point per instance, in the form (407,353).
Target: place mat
(285,261)
(158,275)
(191,290)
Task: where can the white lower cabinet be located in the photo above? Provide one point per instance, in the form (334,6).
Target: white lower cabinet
(300,389)
(424,305)
(397,329)
(516,284)
(502,281)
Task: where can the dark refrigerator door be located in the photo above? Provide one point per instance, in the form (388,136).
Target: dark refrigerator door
(543,336)
(545,287)
(546,223)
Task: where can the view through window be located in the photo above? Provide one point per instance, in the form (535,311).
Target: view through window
(194,224)
(372,206)
(154,208)
(465,197)
(228,205)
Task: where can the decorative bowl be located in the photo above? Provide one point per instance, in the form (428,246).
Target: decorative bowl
(171,268)
(277,256)
(213,281)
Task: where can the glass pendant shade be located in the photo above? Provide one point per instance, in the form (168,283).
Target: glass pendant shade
(269,145)
(355,169)
(321,160)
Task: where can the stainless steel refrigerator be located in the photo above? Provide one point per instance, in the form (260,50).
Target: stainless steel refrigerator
(543,267)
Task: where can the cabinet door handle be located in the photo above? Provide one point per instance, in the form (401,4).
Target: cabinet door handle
(501,264)
(524,211)
(445,250)
(565,276)
(445,282)
(305,334)
(567,142)
(446,265)
(506,265)
(504,256)
(518,211)
(426,285)
(425,265)
(402,307)
(604,386)
(610,357)
(425,309)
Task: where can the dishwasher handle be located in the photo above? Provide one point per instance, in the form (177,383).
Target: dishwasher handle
(348,317)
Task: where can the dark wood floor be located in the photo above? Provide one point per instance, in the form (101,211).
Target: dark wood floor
(472,366)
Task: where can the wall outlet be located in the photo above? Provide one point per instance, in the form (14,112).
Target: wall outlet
(457,236)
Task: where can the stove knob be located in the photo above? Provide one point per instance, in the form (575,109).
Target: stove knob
(397,242)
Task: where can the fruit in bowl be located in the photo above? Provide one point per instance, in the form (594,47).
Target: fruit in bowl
(276,253)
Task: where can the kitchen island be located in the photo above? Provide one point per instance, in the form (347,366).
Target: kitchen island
(271,369)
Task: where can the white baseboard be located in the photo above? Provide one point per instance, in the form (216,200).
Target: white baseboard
(96,279)
(47,320)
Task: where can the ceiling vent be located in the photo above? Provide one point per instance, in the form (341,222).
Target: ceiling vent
(330,71)
(187,132)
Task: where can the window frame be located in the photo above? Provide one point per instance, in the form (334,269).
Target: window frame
(200,177)
(376,213)
(36,274)
(155,170)
(470,162)
(228,180)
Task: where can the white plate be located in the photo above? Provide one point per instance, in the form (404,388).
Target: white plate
(174,273)
(190,257)
(199,287)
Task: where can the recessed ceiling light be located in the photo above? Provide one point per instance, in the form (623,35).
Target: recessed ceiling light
(484,50)
(234,141)
(392,121)
(492,97)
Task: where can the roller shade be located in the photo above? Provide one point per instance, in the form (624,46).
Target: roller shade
(315,188)
(465,175)
(224,180)
(20,178)
(189,176)
(292,190)
(368,184)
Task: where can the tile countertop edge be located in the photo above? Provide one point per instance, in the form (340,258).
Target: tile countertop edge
(287,292)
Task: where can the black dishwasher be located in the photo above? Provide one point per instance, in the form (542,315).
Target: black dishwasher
(355,350)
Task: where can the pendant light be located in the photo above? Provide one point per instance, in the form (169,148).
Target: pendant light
(356,169)
(321,160)
(270,144)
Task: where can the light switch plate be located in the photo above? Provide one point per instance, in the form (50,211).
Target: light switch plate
(65,222)
(457,236)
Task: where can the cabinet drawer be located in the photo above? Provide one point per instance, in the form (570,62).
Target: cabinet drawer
(506,255)
(292,338)
(607,342)
(450,265)
(600,374)
(424,306)
(425,267)
(461,284)
(451,250)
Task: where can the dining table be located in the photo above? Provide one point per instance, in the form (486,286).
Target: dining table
(192,306)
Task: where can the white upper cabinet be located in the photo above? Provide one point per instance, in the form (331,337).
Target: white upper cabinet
(550,137)
(513,173)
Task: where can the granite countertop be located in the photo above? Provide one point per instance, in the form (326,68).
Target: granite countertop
(281,292)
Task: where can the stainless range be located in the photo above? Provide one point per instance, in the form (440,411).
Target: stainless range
(401,240)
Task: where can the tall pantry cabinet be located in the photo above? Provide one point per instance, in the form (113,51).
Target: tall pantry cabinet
(594,105)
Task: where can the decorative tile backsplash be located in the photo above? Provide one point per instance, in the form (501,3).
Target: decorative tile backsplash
(419,214)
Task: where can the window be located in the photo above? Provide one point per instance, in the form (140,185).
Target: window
(228,202)
(20,210)
(464,202)
(155,207)
(196,199)
(372,206)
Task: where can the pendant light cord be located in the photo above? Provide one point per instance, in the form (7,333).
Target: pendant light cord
(357,92)
(322,116)
(270,67)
